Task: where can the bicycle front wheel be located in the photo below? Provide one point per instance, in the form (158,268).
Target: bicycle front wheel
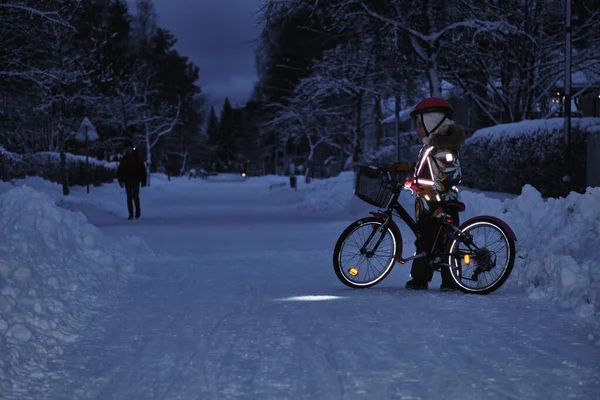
(364,254)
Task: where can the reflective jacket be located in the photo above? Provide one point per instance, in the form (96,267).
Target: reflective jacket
(437,172)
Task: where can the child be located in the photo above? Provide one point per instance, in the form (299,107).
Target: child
(435,179)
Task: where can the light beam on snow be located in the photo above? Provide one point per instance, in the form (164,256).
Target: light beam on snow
(310,298)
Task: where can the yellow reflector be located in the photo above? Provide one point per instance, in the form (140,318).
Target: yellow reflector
(353,271)
(467,258)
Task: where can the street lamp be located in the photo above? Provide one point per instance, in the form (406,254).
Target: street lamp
(567,103)
(87,133)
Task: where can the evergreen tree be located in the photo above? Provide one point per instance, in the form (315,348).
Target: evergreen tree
(226,147)
(248,136)
(212,128)
(118,47)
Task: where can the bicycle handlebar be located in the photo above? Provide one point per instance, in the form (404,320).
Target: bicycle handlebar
(386,175)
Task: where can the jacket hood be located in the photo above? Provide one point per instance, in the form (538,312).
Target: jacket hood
(452,140)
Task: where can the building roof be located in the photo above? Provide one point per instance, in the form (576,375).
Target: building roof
(582,80)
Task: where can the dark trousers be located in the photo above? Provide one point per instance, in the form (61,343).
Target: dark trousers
(133,196)
(429,227)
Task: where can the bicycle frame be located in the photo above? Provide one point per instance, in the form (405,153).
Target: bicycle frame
(394,207)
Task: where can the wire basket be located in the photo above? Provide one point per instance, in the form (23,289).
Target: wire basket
(371,188)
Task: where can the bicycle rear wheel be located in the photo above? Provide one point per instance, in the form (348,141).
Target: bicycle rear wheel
(484,270)
(358,265)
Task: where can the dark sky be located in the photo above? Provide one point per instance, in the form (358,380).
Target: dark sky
(214,34)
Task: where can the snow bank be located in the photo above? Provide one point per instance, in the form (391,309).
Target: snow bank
(55,269)
(558,246)
(320,197)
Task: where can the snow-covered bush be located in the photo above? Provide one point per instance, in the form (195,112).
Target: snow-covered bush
(47,166)
(385,155)
(12,165)
(504,158)
(388,154)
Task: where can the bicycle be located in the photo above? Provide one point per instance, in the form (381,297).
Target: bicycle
(469,262)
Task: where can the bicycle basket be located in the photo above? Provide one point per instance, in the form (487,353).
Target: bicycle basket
(371,189)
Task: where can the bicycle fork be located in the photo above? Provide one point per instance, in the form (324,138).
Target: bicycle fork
(381,230)
(369,253)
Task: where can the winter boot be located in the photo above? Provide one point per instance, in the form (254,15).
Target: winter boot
(448,284)
(416,284)
(448,287)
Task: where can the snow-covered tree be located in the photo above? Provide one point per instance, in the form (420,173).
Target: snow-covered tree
(29,71)
(510,76)
(429,24)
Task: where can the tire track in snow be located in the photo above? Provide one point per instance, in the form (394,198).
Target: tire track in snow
(313,357)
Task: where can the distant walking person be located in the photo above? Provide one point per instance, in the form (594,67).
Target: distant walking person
(131,173)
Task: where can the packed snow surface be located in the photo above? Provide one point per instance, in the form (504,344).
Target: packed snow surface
(229,293)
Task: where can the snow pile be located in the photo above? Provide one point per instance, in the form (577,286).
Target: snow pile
(55,269)
(320,197)
(558,240)
(558,245)
(325,196)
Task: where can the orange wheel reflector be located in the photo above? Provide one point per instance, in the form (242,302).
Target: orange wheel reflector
(353,271)
(467,259)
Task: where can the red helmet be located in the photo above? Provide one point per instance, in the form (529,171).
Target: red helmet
(433,104)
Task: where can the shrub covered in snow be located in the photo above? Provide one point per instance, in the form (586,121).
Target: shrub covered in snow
(12,165)
(387,155)
(505,157)
(55,268)
(47,166)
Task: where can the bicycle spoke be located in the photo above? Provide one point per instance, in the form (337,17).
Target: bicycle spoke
(490,261)
(372,264)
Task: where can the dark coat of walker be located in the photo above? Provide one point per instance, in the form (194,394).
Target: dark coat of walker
(131,174)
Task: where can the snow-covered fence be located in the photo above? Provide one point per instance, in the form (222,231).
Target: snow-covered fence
(47,165)
(506,157)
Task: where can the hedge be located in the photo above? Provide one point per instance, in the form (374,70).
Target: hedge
(47,166)
(503,158)
(12,165)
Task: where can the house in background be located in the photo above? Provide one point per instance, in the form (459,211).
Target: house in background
(589,103)
(585,89)
(588,86)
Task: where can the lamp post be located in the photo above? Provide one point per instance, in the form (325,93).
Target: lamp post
(567,96)
(86,133)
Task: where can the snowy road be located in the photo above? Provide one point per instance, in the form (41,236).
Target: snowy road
(214,318)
